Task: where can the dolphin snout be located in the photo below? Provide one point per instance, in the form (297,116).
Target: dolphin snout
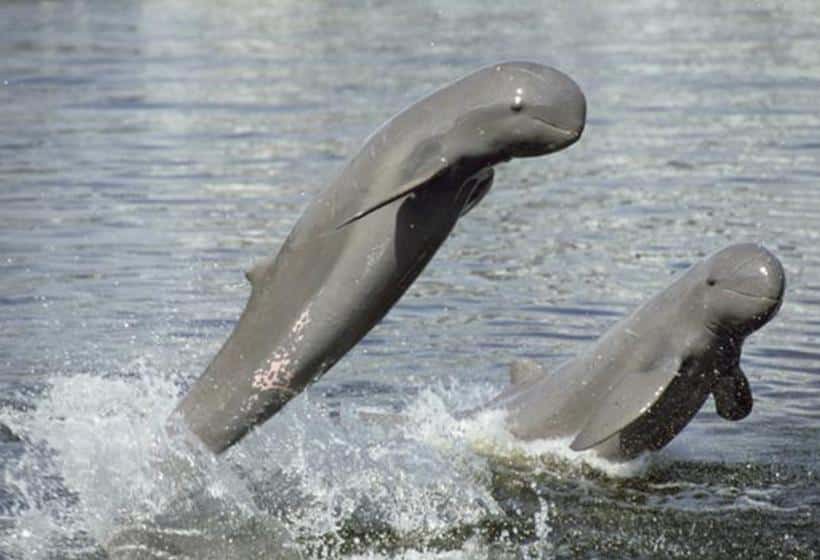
(570,109)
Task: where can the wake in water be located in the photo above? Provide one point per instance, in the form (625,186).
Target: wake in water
(100,477)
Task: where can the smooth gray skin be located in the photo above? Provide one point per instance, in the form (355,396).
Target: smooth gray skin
(639,385)
(362,242)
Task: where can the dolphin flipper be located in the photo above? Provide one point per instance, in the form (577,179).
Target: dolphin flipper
(426,163)
(626,402)
(522,371)
(733,396)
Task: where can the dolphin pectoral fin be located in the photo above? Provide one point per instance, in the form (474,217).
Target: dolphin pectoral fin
(632,397)
(733,396)
(373,203)
(522,371)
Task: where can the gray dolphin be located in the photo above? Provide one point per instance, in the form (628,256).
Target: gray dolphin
(364,239)
(639,385)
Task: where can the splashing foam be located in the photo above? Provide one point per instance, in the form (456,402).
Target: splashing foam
(99,469)
(487,434)
(98,456)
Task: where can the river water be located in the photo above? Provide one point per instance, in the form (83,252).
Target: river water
(150,152)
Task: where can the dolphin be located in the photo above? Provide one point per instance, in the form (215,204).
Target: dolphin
(641,383)
(362,241)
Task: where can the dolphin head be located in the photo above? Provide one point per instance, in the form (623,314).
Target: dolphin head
(742,287)
(521,109)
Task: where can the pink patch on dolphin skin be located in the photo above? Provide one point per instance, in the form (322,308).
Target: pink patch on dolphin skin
(302,321)
(275,376)
(279,372)
(299,326)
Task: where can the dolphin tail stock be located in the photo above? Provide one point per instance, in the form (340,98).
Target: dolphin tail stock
(220,425)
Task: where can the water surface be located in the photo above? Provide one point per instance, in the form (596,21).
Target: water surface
(150,152)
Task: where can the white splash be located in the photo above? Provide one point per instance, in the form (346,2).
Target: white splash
(98,462)
(487,434)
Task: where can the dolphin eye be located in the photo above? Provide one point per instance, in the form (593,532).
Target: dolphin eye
(711,282)
(518,100)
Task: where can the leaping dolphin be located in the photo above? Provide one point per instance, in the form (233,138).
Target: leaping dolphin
(641,383)
(361,243)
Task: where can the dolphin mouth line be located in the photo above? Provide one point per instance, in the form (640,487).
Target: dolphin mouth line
(571,134)
(755,296)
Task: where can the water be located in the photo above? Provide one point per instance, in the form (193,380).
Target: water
(150,152)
